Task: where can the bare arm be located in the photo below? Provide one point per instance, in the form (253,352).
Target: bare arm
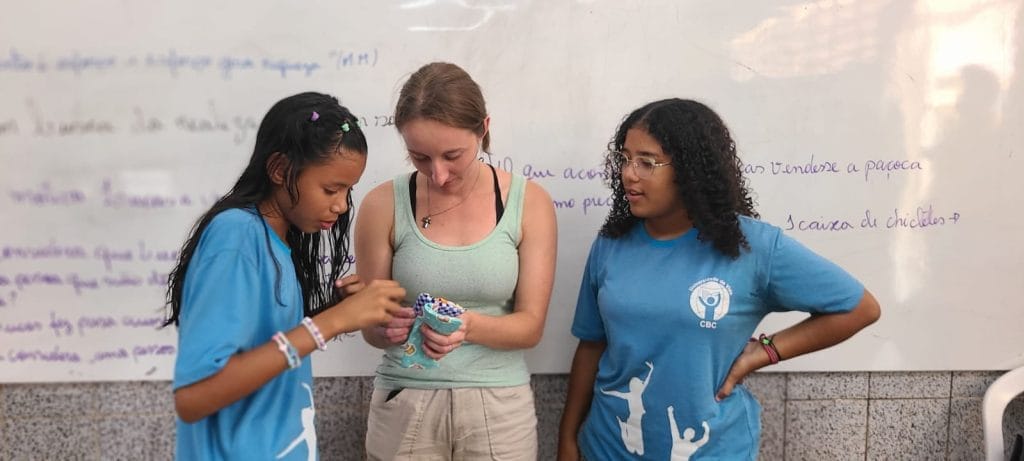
(244,374)
(524,327)
(814,333)
(374,230)
(248,371)
(577,400)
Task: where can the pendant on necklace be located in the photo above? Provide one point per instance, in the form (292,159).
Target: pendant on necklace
(426,222)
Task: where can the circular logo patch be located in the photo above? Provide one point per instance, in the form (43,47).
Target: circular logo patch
(710,295)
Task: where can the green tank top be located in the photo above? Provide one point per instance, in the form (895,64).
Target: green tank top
(481,277)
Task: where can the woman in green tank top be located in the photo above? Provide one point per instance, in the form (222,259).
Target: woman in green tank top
(479,236)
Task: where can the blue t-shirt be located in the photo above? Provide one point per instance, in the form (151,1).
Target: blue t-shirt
(675,314)
(235,299)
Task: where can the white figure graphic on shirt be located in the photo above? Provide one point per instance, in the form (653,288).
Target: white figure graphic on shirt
(632,431)
(683,448)
(308,434)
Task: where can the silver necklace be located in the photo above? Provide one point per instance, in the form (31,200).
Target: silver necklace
(426,219)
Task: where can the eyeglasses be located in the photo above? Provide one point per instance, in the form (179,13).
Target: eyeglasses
(643,166)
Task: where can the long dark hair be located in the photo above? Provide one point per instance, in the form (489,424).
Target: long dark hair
(288,129)
(708,173)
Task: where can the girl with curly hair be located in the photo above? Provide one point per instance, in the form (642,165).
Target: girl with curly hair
(675,284)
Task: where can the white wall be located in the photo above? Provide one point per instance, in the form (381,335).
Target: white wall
(120,121)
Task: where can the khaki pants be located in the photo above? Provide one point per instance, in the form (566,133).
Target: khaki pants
(498,423)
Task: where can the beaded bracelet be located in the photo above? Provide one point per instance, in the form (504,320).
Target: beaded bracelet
(769,347)
(286,348)
(318,337)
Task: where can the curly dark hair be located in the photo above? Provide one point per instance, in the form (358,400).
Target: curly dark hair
(708,173)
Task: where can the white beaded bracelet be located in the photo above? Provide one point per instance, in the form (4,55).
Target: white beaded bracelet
(318,337)
(286,348)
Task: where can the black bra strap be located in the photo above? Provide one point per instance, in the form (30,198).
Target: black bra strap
(499,207)
(412,193)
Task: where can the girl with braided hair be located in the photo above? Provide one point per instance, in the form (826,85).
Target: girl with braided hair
(249,293)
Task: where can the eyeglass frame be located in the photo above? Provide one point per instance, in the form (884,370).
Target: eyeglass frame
(623,160)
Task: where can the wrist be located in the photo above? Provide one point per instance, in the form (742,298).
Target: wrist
(314,332)
(467,318)
(329,326)
(764,351)
(568,428)
(568,446)
(760,358)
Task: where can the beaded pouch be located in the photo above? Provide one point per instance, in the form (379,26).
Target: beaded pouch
(441,315)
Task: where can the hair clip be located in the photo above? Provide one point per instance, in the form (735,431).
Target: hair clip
(315,116)
(345,127)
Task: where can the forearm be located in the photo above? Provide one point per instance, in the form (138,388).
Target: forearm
(375,338)
(524,327)
(580,389)
(241,376)
(373,245)
(822,331)
(518,330)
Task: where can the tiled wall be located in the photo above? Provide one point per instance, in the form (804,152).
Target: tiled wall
(814,416)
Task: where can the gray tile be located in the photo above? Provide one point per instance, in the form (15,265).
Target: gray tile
(135,398)
(49,400)
(773,429)
(908,429)
(909,385)
(341,434)
(1013,422)
(804,386)
(366,380)
(549,390)
(548,419)
(50,438)
(367,387)
(766,386)
(967,413)
(826,429)
(966,437)
(973,383)
(339,392)
(149,437)
(3,430)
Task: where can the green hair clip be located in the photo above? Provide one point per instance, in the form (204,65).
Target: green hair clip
(345,127)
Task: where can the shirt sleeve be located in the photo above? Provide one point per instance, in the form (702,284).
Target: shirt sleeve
(587,324)
(218,314)
(800,279)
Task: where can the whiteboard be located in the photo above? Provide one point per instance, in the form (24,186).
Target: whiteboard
(884,134)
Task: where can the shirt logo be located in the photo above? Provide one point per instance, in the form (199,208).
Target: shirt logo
(709,300)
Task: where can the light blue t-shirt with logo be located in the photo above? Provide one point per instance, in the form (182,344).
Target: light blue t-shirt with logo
(675,314)
(235,299)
